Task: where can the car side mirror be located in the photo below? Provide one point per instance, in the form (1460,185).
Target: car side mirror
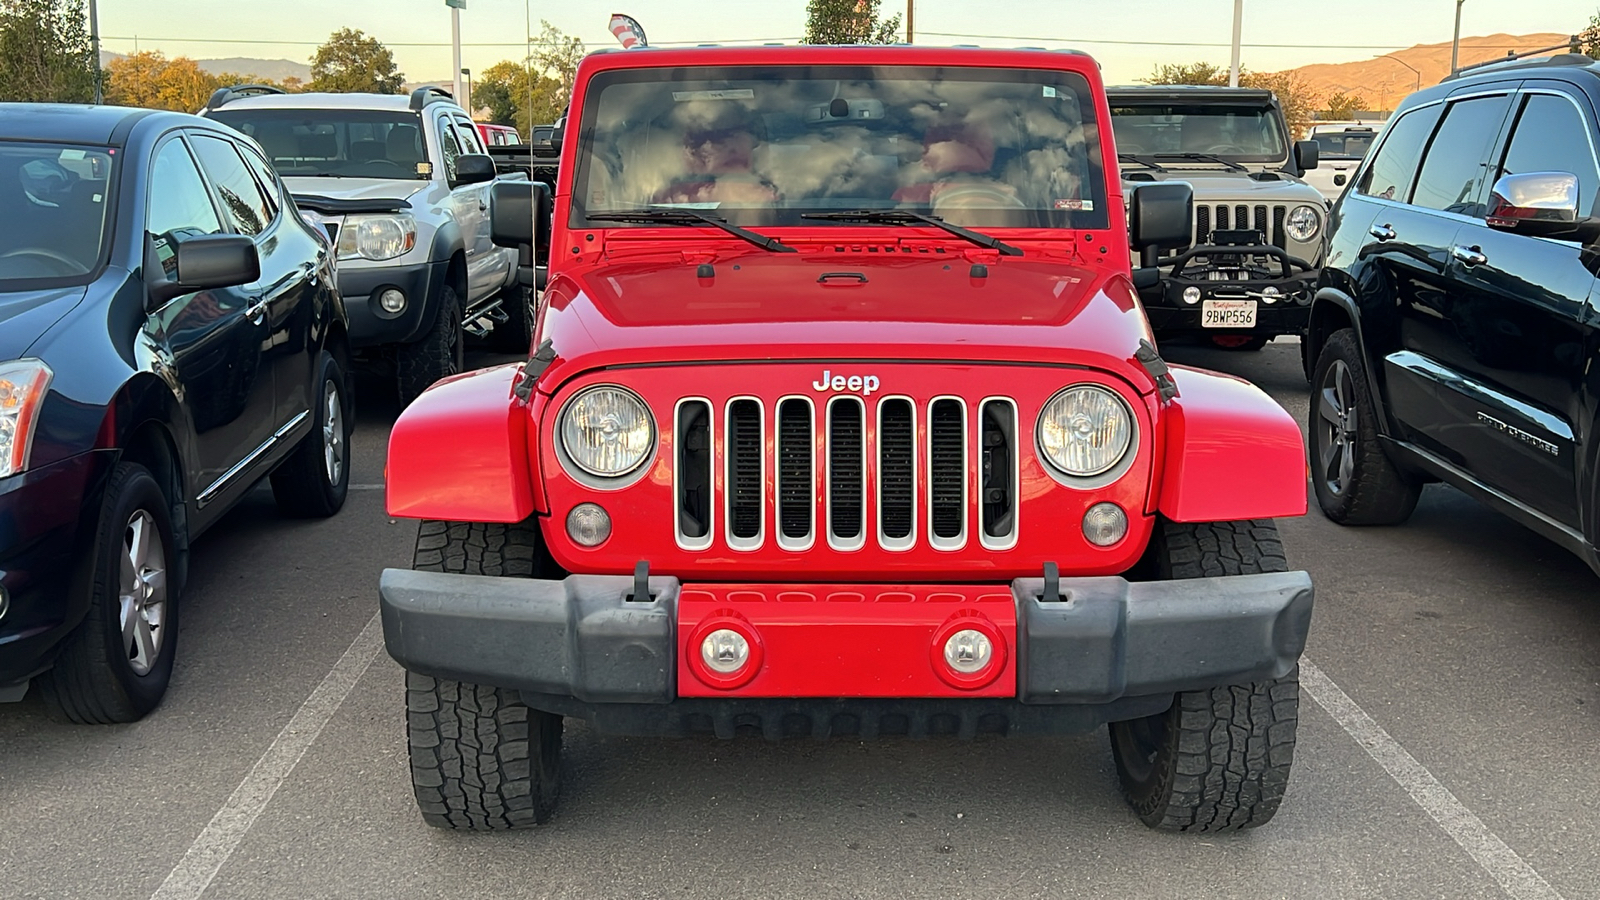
(182,264)
(557,132)
(1306,155)
(519,217)
(474,168)
(1536,203)
(1161,217)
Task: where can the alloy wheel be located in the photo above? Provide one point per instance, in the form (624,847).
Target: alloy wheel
(332,433)
(1336,413)
(142,594)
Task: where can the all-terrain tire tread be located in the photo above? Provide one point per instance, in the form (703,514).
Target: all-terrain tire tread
(436,354)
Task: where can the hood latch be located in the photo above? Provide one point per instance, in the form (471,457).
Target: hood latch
(533,368)
(1157,367)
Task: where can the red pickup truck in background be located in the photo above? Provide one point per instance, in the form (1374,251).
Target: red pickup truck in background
(843,417)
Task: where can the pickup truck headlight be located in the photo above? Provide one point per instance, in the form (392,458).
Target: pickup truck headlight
(1303,223)
(23,384)
(1085,430)
(377,237)
(607,431)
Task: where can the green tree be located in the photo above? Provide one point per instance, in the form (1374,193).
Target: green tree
(1293,94)
(556,55)
(517,95)
(1588,42)
(1188,73)
(1344,106)
(849,22)
(150,79)
(351,61)
(45,55)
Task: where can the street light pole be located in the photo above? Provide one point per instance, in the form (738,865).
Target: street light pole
(455,40)
(94,44)
(911,13)
(466,97)
(1238,27)
(1455,42)
(1407,65)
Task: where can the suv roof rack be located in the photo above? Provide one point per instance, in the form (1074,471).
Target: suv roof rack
(223,95)
(1519,60)
(427,94)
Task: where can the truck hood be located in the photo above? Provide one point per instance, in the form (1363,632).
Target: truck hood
(27,315)
(356,188)
(1216,184)
(831,306)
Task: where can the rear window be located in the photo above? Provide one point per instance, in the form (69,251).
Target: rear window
(335,143)
(1344,144)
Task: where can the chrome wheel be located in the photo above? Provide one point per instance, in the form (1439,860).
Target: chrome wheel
(332,433)
(142,594)
(1336,428)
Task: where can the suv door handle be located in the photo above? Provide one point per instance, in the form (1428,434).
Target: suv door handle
(257,310)
(1382,232)
(1469,256)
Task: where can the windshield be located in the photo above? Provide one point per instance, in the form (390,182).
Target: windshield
(53,223)
(347,143)
(766,145)
(1236,133)
(1343,144)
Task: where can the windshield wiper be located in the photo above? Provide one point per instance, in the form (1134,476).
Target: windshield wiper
(905,217)
(1147,163)
(674,216)
(1204,157)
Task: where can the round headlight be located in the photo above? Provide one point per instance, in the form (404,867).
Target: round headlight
(1303,223)
(1085,430)
(607,431)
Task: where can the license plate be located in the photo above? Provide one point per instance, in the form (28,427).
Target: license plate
(1228,314)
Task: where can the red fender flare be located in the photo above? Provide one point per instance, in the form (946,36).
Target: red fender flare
(1231,452)
(460,452)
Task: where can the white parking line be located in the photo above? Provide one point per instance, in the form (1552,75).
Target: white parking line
(1516,877)
(193,874)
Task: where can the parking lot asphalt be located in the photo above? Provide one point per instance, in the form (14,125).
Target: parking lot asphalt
(1448,748)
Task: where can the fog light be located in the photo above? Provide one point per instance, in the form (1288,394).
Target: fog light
(968,651)
(1105,524)
(588,525)
(392,300)
(1191,295)
(725,651)
(1270,294)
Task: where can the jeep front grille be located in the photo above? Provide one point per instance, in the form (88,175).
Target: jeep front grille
(1210,217)
(886,470)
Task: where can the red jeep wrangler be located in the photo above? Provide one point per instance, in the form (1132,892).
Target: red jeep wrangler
(844,418)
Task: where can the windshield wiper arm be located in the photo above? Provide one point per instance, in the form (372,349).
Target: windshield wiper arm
(1204,157)
(906,217)
(1147,163)
(674,216)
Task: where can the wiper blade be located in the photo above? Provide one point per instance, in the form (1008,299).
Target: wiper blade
(675,216)
(906,217)
(1147,163)
(1204,157)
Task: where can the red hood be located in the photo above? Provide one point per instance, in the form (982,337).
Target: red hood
(771,306)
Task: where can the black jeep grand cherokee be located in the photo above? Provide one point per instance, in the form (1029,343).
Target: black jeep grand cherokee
(1454,332)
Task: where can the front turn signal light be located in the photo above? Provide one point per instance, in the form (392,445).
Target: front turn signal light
(23,385)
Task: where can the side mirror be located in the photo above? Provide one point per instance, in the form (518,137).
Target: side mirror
(1306,155)
(557,132)
(474,168)
(1161,217)
(181,264)
(1536,203)
(519,217)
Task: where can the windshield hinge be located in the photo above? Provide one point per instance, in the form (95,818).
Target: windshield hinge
(533,368)
(1157,367)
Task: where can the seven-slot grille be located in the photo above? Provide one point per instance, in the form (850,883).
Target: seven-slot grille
(887,470)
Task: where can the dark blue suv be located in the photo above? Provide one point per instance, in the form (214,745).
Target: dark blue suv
(1455,335)
(170,333)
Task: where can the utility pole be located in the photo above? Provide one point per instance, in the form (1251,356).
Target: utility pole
(911,13)
(1238,29)
(94,44)
(1455,43)
(455,41)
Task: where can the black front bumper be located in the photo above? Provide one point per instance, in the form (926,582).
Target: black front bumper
(1270,320)
(579,647)
(370,325)
(45,515)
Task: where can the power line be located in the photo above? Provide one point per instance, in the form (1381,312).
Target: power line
(190,40)
(1080,40)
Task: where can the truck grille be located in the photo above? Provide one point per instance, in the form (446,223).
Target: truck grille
(1209,217)
(874,476)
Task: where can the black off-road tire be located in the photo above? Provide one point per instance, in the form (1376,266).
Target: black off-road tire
(1217,760)
(480,759)
(307,484)
(515,334)
(93,681)
(1377,492)
(438,354)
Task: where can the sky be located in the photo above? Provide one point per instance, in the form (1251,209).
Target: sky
(1128,37)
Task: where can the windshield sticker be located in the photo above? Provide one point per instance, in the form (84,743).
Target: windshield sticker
(1079,205)
(72,154)
(742,94)
(1049,91)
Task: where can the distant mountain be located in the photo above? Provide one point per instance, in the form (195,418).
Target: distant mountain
(274,69)
(1385,80)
